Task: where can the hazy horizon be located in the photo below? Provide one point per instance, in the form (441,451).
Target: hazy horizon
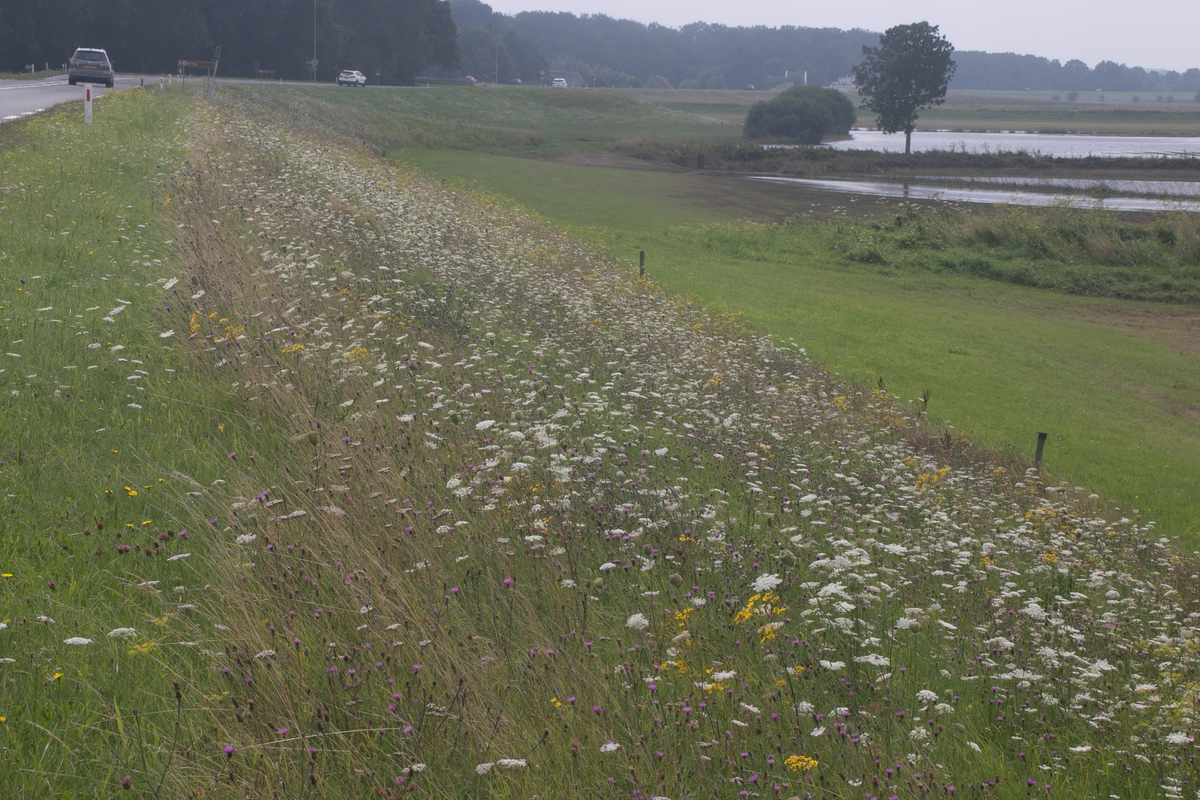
(1162,35)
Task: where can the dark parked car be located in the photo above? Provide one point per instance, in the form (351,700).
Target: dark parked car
(90,65)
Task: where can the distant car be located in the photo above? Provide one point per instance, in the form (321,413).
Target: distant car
(468,81)
(515,81)
(352,77)
(90,65)
(559,83)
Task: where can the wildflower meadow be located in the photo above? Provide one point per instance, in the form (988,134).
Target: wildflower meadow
(324,479)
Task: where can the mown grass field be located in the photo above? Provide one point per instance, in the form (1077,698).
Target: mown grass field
(323,478)
(32,76)
(1119,113)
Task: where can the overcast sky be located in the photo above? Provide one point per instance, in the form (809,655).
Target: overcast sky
(1155,34)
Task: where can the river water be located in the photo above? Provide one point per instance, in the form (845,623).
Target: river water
(1046,144)
(969,193)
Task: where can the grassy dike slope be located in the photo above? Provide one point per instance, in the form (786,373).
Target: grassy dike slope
(1115,382)
(466,511)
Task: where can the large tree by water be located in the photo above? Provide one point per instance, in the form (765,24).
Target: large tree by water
(909,70)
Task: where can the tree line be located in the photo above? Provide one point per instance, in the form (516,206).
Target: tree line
(604,49)
(403,38)
(398,37)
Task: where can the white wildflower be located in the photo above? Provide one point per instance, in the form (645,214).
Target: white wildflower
(766,582)
(245,538)
(77,640)
(511,763)
(122,633)
(1178,738)
(483,769)
(926,696)
(637,622)
(874,659)
(833,666)
(609,747)
(974,747)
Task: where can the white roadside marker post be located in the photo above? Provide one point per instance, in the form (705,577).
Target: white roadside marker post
(87,106)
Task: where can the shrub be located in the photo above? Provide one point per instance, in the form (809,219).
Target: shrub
(802,114)
(789,118)
(838,104)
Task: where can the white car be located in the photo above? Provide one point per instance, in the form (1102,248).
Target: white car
(352,77)
(559,83)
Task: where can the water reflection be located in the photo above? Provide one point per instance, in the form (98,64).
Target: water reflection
(1046,144)
(920,191)
(1185,189)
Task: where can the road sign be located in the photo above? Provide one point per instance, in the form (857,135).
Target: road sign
(378,72)
(183,62)
(541,73)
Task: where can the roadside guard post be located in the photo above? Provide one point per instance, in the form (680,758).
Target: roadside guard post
(87,105)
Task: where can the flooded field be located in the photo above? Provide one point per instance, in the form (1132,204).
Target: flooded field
(965,190)
(1046,144)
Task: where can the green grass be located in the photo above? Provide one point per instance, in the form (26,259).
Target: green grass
(472,512)
(104,426)
(32,76)
(500,118)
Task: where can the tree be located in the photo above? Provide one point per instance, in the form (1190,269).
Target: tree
(910,70)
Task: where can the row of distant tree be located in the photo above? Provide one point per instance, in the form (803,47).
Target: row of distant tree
(397,37)
(607,52)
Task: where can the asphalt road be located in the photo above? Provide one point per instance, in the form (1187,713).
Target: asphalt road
(21,98)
